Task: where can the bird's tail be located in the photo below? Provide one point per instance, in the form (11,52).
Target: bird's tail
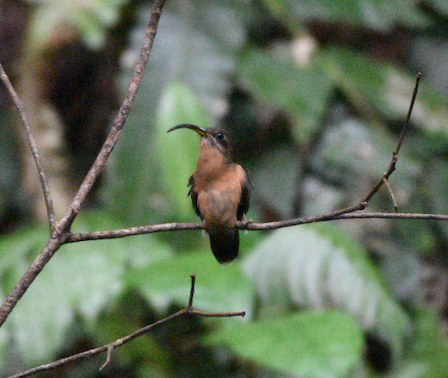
(225,244)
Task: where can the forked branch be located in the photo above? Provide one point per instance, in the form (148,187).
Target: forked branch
(61,230)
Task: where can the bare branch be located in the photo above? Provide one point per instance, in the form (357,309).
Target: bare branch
(108,357)
(140,230)
(339,214)
(61,229)
(414,216)
(190,302)
(27,279)
(394,200)
(33,146)
(189,311)
(400,142)
(408,117)
(100,162)
(115,234)
(349,213)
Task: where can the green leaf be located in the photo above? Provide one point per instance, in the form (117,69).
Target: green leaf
(382,89)
(178,151)
(322,268)
(91,19)
(218,288)
(195,46)
(428,356)
(321,345)
(357,166)
(82,278)
(282,165)
(437,175)
(373,14)
(277,80)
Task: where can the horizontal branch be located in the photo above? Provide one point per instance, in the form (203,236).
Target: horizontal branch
(414,216)
(122,233)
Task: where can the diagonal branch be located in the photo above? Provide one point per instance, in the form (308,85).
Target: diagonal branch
(33,146)
(61,229)
(188,311)
(98,166)
(397,149)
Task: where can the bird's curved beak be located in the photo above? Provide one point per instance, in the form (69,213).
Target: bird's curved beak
(202,132)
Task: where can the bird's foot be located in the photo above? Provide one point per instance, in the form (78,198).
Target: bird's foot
(243,223)
(204,230)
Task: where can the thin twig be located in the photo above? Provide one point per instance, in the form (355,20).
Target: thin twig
(394,200)
(190,301)
(108,357)
(28,277)
(410,216)
(119,123)
(62,228)
(34,150)
(118,343)
(400,142)
(408,117)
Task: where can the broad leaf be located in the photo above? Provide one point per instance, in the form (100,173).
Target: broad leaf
(382,89)
(178,151)
(279,81)
(321,268)
(429,351)
(373,14)
(437,175)
(197,47)
(218,288)
(82,278)
(90,18)
(312,345)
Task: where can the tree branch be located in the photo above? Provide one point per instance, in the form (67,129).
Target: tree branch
(400,142)
(62,228)
(243,225)
(189,311)
(34,150)
(98,166)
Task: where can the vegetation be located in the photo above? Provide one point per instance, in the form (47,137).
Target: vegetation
(314,94)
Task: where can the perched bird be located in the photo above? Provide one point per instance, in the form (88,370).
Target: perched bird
(220,191)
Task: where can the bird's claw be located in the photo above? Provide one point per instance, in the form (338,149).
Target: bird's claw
(244,222)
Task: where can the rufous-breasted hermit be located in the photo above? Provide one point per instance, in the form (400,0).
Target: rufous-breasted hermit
(220,191)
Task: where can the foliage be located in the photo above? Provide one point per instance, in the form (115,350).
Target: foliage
(314,93)
(291,343)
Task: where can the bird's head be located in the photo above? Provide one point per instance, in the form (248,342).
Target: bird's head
(215,138)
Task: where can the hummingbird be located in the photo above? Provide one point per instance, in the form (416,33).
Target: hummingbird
(220,191)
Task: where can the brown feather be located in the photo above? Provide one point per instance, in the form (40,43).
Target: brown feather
(220,192)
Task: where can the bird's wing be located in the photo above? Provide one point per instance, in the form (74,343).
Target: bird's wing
(194,196)
(243,206)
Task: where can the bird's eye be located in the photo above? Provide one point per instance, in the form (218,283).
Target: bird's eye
(220,136)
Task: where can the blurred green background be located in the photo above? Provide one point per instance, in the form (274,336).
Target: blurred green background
(314,95)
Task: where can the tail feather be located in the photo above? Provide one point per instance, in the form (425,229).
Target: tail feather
(225,244)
